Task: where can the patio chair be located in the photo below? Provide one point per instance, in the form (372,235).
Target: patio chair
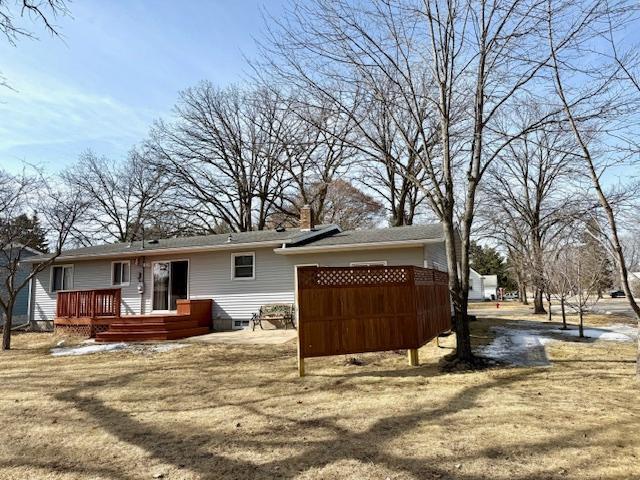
(282,312)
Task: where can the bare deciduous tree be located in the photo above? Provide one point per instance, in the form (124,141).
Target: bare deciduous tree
(599,98)
(582,272)
(533,198)
(350,207)
(121,196)
(316,152)
(224,155)
(23,194)
(559,284)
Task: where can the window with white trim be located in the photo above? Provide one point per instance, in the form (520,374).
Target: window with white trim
(376,263)
(61,277)
(243,266)
(121,273)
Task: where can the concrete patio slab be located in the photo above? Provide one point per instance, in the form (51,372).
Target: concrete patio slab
(246,337)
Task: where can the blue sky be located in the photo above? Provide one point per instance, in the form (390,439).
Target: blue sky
(119,66)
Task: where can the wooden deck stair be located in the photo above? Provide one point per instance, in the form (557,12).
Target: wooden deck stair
(142,328)
(193,317)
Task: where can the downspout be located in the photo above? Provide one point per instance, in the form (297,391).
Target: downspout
(30,302)
(141,277)
(141,282)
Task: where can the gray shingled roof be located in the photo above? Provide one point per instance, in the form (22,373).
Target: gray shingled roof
(202,241)
(294,238)
(394,234)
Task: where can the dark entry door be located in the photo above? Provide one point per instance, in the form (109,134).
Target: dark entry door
(170,283)
(179,282)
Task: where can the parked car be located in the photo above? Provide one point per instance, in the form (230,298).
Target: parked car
(617,294)
(511,295)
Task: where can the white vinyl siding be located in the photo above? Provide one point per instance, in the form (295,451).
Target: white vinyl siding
(435,256)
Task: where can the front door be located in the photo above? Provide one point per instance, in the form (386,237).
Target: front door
(170,283)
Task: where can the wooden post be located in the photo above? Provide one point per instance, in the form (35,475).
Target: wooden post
(117,300)
(93,299)
(300,357)
(412,356)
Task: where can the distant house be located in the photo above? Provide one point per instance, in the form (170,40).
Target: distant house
(490,287)
(238,272)
(21,307)
(482,287)
(476,285)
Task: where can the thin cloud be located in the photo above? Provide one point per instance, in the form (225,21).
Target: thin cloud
(49,113)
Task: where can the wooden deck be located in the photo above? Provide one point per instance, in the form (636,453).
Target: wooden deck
(96,313)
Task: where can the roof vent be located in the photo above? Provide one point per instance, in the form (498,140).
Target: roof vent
(229,238)
(152,242)
(280,228)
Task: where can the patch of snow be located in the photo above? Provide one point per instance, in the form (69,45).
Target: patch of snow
(526,346)
(518,347)
(624,333)
(139,348)
(87,349)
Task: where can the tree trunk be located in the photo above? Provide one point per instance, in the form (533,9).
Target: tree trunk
(6,330)
(564,316)
(459,296)
(523,296)
(463,338)
(549,306)
(581,325)
(538,301)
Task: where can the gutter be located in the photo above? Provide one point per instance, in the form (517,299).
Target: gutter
(348,247)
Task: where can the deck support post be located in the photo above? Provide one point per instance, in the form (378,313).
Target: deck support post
(412,357)
(300,366)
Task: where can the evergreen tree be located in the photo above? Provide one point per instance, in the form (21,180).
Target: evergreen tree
(29,232)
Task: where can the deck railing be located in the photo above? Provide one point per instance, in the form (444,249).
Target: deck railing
(88,303)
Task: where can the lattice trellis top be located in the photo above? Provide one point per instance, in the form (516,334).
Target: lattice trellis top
(319,277)
(427,275)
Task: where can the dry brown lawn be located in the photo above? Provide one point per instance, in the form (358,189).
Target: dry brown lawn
(225,412)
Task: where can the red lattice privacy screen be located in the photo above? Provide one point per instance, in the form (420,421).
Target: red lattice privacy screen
(343,310)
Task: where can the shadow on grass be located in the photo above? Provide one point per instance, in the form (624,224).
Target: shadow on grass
(191,448)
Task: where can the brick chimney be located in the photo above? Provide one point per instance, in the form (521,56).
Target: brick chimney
(306,218)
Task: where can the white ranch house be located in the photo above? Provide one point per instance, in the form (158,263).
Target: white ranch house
(239,272)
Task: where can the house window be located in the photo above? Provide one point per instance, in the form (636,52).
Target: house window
(120,273)
(376,263)
(61,277)
(243,266)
